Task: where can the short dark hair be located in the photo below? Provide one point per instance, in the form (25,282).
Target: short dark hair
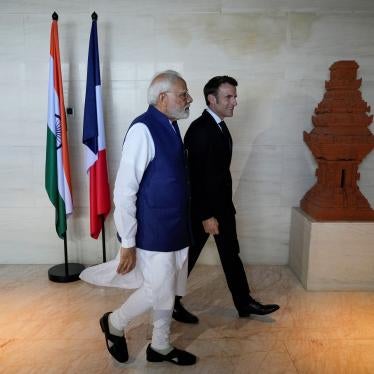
(211,88)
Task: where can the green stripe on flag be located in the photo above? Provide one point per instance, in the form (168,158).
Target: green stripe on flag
(51,184)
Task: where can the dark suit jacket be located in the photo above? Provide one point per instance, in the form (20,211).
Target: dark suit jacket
(209,157)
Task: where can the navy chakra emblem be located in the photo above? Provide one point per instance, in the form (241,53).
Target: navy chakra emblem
(58,131)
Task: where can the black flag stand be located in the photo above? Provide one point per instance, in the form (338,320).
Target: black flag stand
(66,272)
(103,236)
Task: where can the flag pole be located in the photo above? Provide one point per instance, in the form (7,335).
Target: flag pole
(102,217)
(66,272)
(57,160)
(94,140)
(103,236)
(66,254)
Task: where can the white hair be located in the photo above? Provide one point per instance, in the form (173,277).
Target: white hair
(161,82)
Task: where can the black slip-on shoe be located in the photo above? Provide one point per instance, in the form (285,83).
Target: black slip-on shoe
(181,314)
(176,356)
(116,345)
(254,307)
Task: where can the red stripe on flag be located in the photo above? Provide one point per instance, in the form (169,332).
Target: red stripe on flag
(99,193)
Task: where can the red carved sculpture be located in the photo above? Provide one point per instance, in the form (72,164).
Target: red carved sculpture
(339,142)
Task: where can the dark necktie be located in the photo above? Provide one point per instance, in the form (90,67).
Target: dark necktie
(226,133)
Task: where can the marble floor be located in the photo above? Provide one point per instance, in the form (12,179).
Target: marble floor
(48,327)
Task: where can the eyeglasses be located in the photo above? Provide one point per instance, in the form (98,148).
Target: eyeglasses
(182,95)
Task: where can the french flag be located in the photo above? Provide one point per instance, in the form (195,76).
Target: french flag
(94,139)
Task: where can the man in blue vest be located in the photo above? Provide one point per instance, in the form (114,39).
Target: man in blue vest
(151,216)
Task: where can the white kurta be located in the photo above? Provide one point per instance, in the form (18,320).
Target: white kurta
(138,151)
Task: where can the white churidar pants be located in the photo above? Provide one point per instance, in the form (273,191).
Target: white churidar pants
(162,276)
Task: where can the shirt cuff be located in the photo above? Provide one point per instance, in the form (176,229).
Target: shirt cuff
(128,243)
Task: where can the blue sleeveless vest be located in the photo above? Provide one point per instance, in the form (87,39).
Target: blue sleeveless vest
(162,199)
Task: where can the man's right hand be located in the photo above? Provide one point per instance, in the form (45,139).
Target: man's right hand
(127,260)
(211,226)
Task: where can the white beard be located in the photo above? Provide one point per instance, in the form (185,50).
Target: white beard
(180,114)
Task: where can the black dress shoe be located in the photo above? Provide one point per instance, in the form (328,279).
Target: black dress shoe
(116,345)
(254,307)
(183,315)
(176,356)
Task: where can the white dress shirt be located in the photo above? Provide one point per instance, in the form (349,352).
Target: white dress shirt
(215,116)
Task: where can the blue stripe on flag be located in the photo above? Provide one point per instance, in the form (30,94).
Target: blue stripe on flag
(90,126)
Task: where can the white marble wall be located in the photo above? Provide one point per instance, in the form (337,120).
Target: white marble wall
(279,50)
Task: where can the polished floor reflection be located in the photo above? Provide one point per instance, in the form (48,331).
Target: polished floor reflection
(48,327)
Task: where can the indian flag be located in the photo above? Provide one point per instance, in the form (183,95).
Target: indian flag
(57,168)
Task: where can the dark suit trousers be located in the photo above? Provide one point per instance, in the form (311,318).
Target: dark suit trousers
(228,249)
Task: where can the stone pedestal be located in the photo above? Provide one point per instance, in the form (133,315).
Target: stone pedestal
(331,256)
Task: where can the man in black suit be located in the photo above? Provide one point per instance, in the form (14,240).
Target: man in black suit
(209,148)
